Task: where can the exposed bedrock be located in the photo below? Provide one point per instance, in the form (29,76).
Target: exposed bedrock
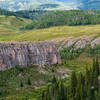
(80,42)
(39,53)
(77,43)
(17,53)
(95,42)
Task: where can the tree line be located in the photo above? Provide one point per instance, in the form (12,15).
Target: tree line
(44,19)
(33,15)
(70,17)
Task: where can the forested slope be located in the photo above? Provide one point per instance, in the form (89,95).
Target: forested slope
(81,87)
(71,17)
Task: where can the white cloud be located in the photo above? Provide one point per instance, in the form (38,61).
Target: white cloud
(4,0)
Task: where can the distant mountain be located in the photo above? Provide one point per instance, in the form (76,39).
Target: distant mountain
(15,5)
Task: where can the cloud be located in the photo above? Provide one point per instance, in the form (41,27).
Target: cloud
(3,0)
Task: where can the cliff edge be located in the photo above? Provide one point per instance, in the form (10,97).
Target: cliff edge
(24,54)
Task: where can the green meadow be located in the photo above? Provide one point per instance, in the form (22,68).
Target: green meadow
(52,33)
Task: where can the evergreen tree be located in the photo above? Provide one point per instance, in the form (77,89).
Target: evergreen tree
(73,83)
(97,66)
(29,81)
(54,80)
(81,87)
(21,84)
(91,95)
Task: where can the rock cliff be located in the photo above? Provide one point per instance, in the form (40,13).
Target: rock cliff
(80,42)
(95,42)
(39,53)
(17,53)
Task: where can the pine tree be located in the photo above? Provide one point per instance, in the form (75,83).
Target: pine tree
(91,95)
(29,81)
(21,84)
(54,80)
(97,65)
(73,84)
(98,98)
(82,93)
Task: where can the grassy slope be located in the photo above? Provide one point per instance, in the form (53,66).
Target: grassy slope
(10,25)
(10,30)
(53,33)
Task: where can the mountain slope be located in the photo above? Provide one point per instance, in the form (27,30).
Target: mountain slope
(11,24)
(53,33)
(31,30)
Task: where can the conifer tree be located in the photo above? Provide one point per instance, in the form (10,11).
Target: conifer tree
(98,96)
(21,84)
(81,87)
(91,95)
(29,81)
(97,65)
(73,83)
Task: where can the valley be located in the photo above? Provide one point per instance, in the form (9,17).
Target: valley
(46,58)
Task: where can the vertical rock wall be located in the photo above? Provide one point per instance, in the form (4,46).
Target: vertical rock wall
(41,53)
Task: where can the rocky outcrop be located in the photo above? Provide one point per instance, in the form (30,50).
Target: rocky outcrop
(77,43)
(95,42)
(41,53)
(80,42)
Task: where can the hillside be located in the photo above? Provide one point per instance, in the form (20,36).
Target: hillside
(45,19)
(70,17)
(29,14)
(53,33)
(11,24)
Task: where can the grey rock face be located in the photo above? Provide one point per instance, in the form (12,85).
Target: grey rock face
(82,42)
(95,42)
(41,53)
(70,43)
(77,42)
